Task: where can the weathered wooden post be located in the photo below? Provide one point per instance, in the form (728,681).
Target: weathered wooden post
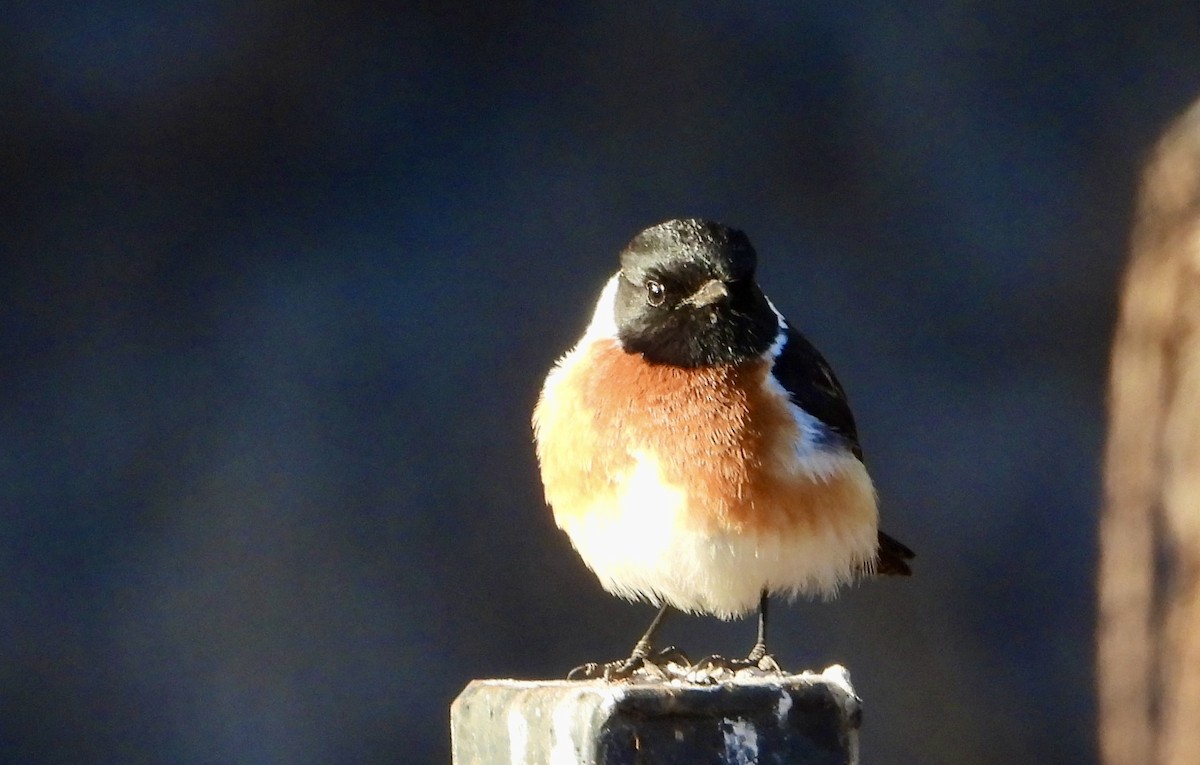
(760,719)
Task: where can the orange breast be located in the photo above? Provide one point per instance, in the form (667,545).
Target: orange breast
(719,434)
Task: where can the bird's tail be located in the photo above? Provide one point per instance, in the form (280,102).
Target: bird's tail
(893,557)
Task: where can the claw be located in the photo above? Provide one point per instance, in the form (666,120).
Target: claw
(712,669)
(767,663)
(671,655)
(655,665)
(589,671)
(758,657)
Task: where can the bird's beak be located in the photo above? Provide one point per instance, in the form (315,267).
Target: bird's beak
(712,291)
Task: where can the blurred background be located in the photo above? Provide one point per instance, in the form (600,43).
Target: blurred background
(280,282)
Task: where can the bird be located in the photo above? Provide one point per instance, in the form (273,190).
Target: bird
(699,452)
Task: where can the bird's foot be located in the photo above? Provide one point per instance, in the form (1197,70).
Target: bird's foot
(715,668)
(762,659)
(653,664)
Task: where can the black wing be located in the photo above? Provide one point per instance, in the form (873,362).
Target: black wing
(813,387)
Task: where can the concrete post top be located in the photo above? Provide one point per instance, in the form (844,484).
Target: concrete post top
(808,717)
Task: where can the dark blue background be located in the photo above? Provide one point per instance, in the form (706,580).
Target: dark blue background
(281,281)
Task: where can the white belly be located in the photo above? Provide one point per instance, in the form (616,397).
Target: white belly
(648,548)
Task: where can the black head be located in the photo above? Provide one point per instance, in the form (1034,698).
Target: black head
(686,296)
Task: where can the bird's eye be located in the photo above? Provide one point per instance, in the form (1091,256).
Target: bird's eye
(656,294)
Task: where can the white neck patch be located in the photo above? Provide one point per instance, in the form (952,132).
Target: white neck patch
(604,321)
(781,338)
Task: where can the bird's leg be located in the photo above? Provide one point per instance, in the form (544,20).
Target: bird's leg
(758,658)
(643,655)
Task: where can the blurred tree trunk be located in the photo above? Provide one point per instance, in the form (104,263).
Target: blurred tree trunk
(1148,652)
